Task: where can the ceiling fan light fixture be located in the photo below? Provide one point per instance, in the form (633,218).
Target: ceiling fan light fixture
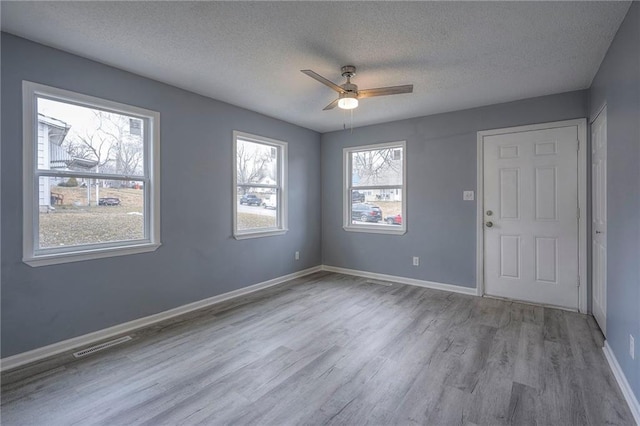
(348,100)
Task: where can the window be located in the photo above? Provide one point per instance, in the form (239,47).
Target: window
(91,177)
(375,188)
(259,186)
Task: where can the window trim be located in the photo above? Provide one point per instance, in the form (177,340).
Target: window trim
(282,173)
(33,256)
(347,187)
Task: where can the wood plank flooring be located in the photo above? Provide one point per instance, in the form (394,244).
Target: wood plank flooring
(335,349)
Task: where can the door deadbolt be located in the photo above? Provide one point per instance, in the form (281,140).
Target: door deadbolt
(489,212)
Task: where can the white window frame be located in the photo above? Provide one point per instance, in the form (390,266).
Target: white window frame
(348,224)
(281,187)
(34,256)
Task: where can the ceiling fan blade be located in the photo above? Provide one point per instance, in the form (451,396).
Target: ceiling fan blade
(383,91)
(323,80)
(332,105)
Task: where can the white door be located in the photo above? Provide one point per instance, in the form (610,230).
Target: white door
(599,218)
(531,216)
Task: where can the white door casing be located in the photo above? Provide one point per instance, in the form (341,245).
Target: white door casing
(599,218)
(528,189)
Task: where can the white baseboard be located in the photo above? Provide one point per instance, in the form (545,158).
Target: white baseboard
(38,354)
(634,406)
(402,280)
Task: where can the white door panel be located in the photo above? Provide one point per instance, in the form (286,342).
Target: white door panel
(531,200)
(599,218)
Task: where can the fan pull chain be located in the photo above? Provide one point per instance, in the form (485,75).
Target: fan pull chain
(344,119)
(351,120)
(344,122)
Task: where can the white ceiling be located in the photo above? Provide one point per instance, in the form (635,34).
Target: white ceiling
(456,54)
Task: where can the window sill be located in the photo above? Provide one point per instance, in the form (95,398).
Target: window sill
(57,258)
(379,229)
(260,234)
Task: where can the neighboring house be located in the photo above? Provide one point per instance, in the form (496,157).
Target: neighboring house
(52,156)
(266,181)
(385,195)
(384,176)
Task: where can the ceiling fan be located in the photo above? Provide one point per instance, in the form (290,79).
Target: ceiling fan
(348,93)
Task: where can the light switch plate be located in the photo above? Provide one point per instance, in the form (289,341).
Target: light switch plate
(467,195)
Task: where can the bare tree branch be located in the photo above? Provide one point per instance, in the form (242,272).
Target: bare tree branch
(251,163)
(109,143)
(376,166)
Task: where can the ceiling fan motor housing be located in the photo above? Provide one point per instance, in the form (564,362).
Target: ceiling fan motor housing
(349,87)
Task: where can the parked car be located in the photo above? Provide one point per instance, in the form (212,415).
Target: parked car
(394,220)
(357,197)
(365,212)
(109,201)
(270,202)
(251,200)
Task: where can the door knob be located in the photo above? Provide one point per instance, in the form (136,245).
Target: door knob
(489,224)
(599,232)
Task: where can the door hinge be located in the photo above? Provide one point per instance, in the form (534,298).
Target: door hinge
(578,280)
(578,146)
(578,212)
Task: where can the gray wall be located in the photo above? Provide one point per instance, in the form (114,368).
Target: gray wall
(441,152)
(198,258)
(618,85)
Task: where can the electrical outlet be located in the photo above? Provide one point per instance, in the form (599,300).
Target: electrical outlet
(297,255)
(416,261)
(632,347)
(467,195)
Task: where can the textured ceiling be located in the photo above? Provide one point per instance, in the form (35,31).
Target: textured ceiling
(456,54)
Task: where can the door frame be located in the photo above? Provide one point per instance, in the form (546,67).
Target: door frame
(601,110)
(581,125)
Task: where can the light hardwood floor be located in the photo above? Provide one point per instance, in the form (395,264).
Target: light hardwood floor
(334,349)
